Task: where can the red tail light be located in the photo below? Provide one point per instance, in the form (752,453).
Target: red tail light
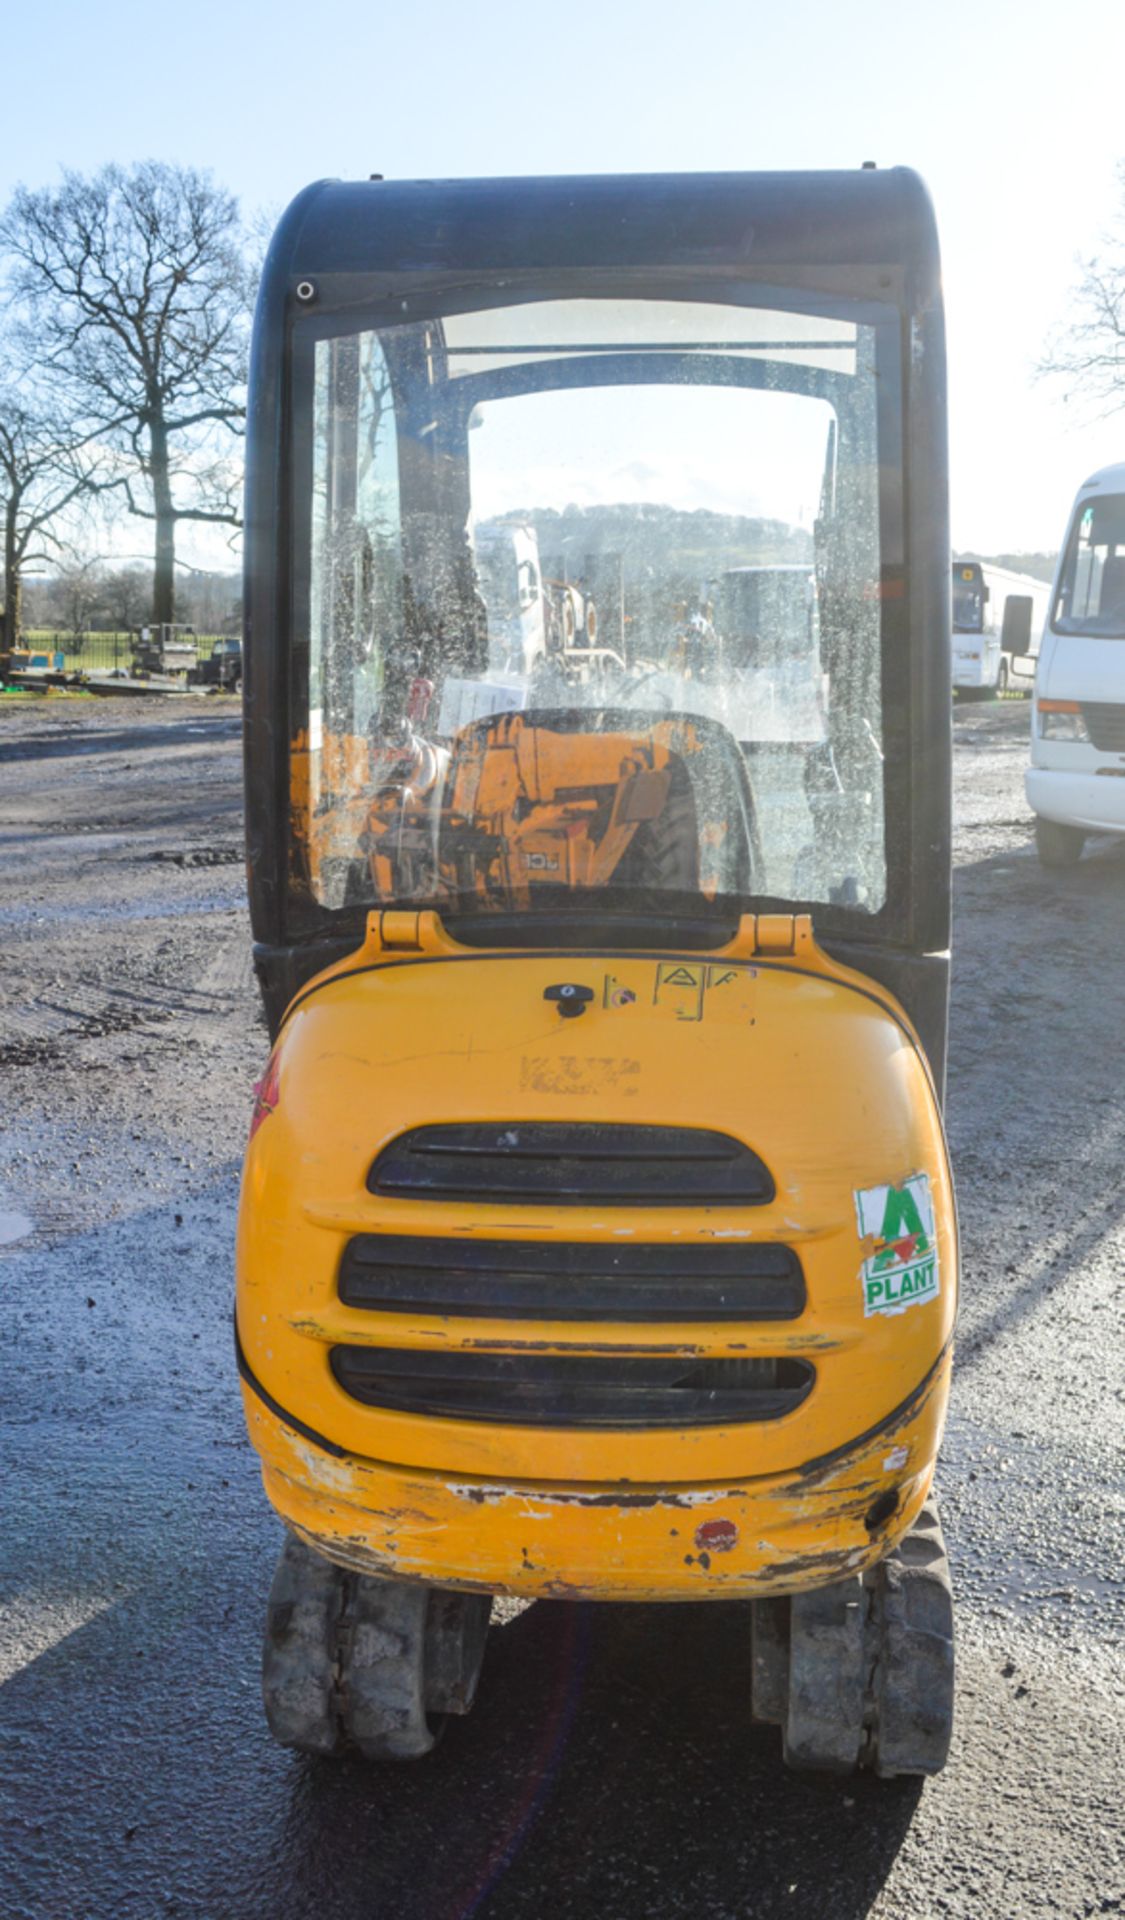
(266,1094)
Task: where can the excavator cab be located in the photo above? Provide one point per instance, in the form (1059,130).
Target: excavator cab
(597,1231)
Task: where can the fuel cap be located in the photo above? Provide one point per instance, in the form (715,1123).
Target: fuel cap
(571,1000)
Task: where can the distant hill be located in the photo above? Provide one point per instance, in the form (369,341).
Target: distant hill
(1041,566)
(696,546)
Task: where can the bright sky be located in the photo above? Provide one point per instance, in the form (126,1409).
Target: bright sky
(1010,111)
(688,447)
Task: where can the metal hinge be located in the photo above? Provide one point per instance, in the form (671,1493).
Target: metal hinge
(782,933)
(400,930)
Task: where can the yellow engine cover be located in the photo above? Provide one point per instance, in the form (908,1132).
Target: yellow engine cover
(813,1067)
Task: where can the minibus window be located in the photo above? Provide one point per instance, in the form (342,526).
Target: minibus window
(1091,597)
(968,600)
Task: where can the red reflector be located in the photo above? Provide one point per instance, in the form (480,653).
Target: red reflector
(266,1094)
(716,1536)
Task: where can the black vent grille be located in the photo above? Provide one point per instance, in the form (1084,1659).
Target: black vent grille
(571,1391)
(1105,724)
(572,1164)
(538,1279)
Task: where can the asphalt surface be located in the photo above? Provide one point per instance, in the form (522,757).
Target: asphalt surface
(609,1769)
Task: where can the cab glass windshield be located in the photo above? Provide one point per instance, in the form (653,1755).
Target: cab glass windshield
(1091,596)
(588,609)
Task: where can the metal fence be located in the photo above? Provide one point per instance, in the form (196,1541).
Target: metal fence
(101,652)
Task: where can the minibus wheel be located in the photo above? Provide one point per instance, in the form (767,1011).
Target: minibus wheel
(1057,845)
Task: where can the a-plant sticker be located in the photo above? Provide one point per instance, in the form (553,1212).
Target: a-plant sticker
(896,1227)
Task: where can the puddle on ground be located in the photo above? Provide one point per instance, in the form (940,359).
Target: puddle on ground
(14,1226)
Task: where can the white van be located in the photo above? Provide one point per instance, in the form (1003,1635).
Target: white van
(1076,781)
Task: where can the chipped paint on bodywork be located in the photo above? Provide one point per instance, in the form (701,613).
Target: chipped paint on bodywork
(624,1497)
(776,1535)
(360,1328)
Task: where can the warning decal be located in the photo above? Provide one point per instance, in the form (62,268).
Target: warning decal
(684,990)
(896,1227)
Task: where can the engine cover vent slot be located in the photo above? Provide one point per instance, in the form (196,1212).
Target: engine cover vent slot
(569,1280)
(572,1163)
(573,1390)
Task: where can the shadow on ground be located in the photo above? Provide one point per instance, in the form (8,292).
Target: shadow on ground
(608,1771)
(97,742)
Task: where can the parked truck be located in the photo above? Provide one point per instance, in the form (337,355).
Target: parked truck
(221,670)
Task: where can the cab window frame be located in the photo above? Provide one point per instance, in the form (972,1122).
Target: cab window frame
(304,917)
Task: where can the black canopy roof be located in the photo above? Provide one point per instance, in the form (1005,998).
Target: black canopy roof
(729,220)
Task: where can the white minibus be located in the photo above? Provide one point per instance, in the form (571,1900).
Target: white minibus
(1076,781)
(981,594)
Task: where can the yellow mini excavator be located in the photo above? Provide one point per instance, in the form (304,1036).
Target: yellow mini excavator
(597,1236)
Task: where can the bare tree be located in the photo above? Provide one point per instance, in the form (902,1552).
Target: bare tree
(76,596)
(137,295)
(210,601)
(125,597)
(1088,353)
(46,466)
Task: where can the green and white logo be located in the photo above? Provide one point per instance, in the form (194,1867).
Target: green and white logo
(896,1226)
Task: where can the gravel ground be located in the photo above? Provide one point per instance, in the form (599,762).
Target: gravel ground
(609,1770)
